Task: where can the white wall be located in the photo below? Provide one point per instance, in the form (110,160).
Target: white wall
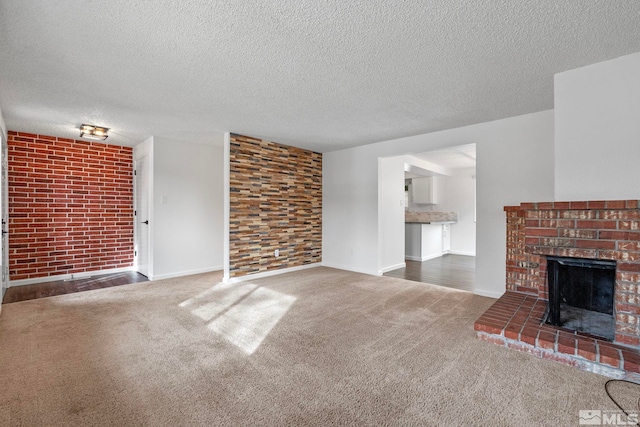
(3,126)
(514,164)
(187,207)
(597,131)
(458,195)
(350,209)
(391,212)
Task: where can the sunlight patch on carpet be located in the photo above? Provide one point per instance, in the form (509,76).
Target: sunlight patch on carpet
(242,313)
(216,300)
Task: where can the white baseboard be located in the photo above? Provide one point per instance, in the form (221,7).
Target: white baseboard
(426,258)
(392,267)
(269,273)
(462,253)
(184,273)
(353,270)
(84,274)
(486,293)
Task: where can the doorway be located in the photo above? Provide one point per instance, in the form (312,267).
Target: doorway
(438,221)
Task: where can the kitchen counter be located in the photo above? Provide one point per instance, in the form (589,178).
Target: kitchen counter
(430,217)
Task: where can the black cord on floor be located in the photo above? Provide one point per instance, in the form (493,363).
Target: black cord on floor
(606,388)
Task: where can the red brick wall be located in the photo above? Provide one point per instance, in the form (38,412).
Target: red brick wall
(70,204)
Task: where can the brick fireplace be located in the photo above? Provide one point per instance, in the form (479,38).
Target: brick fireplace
(592,230)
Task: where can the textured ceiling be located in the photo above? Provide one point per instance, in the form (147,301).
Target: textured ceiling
(462,156)
(319,75)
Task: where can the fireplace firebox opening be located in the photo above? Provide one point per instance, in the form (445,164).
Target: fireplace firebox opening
(581,295)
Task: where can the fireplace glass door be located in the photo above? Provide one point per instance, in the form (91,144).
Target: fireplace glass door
(581,295)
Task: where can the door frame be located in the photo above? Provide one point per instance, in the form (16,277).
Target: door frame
(4,213)
(137,218)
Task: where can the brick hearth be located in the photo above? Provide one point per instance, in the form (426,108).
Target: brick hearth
(606,230)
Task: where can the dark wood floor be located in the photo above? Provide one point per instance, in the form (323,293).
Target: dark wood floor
(61,287)
(452,271)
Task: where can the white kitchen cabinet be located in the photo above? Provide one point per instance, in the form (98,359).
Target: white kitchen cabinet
(424,190)
(413,241)
(423,241)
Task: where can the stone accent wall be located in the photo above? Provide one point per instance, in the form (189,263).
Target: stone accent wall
(275,204)
(71,206)
(608,230)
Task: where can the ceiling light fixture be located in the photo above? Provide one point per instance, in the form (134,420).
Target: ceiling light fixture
(94,132)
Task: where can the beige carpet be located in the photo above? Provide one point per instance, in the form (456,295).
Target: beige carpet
(318,347)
